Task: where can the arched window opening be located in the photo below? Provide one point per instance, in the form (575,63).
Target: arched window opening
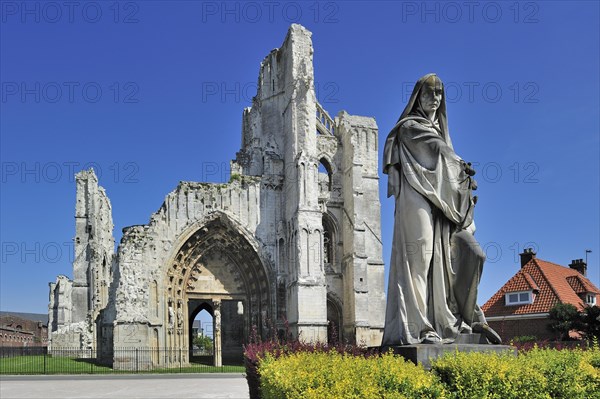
(334,322)
(327,252)
(328,245)
(325,176)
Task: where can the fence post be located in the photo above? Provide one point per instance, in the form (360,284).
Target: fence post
(136,361)
(45,355)
(91,363)
(180,359)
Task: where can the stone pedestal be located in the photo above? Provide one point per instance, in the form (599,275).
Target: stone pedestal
(424,353)
(471,339)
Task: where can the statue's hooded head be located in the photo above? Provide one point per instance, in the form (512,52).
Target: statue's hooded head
(414,108)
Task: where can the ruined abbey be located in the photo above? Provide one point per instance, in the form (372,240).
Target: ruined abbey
(294,237)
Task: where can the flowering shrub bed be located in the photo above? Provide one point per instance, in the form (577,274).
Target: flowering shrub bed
(537,373)
(329,373)
(258,350)
(334,375)
(524,346)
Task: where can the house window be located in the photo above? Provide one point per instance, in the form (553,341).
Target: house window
(590,299)
(519,298)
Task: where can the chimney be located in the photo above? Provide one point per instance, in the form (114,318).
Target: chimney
(579,265)
(526,256)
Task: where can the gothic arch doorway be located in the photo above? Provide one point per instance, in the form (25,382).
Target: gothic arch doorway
(218,269)
(201,335)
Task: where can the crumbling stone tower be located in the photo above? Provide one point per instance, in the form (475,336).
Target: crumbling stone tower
(328,210)
(294,236)
(75,304)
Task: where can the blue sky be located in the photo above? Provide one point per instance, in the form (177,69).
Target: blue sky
(152,92)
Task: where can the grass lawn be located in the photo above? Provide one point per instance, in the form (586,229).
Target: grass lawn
(40,364)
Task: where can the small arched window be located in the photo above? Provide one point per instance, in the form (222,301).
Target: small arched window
(328,243)
(327,250)
(325,176)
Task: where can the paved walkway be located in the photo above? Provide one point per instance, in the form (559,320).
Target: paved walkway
(231,386)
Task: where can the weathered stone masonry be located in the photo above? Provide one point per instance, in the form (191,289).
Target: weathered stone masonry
(295,235)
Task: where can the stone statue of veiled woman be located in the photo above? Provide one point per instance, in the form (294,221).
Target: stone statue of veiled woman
(436,262)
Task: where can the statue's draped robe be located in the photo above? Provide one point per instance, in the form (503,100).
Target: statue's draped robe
(430,287)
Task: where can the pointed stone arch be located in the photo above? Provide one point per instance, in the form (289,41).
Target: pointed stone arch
(218,261)
(325,173)
(194,308)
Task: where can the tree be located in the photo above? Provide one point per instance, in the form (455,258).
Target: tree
(589,322)
(203,342)
(564,318)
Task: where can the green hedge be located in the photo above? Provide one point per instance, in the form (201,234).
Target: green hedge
(330,375)
(539,373)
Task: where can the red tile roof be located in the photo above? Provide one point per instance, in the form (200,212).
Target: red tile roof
(532,284)
(553,283)
(576,284)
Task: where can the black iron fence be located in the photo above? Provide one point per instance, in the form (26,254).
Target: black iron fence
(41,360)
(14,351)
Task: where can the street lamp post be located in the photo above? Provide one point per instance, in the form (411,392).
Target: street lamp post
(588,251)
